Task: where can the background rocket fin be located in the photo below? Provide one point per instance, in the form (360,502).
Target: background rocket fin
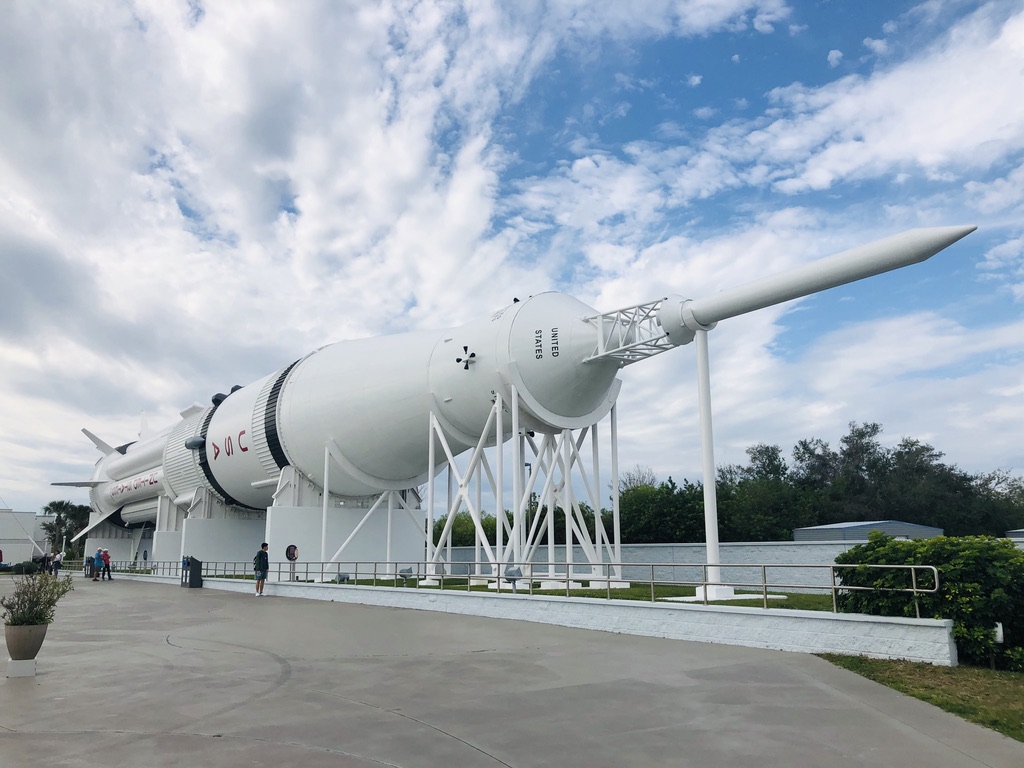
(107,449)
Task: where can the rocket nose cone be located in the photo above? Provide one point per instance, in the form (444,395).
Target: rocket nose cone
(943,237)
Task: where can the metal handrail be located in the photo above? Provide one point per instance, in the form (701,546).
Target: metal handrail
(423,574)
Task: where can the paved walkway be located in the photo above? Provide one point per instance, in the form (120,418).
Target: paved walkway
(138,674)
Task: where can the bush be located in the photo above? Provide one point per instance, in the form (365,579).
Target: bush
(26,567)
(34,599)
(979,585)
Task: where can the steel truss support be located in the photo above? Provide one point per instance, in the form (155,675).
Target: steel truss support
(391,501)
(560,470)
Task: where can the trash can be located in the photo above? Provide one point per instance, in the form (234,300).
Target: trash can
(191,572)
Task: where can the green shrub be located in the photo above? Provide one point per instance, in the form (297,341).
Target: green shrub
(34,599)
(26,567)
(979,580)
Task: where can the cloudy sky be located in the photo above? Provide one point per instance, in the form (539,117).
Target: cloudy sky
(193,195)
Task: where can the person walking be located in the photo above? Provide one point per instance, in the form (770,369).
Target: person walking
(97,565)
(261,563)
(58,559)
(106,566)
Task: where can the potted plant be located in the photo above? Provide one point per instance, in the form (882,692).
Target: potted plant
(29,610)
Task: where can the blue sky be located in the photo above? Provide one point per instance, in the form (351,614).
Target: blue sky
(195,195)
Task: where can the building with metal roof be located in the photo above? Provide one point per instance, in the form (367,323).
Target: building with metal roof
(858,531)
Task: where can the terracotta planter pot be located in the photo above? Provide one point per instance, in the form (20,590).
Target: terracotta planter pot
(24,642)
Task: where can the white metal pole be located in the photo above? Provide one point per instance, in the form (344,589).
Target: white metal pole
(616,524)
(707,454)
(327,493)
(499,496)
(391,509)
(517,481)
(477,477)
(451,512)
(550,501)
(600,534)
(429,512)
(567,500)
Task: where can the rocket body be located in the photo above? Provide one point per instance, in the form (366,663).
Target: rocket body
(372,398)
(369,401)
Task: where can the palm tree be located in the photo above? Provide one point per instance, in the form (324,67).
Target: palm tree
(67,519)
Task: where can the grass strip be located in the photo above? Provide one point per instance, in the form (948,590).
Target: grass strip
(986,697)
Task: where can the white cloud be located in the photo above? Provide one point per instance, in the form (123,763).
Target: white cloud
(694,80)
(877,47)
(858,127)
(1002,195)
(834,58)
(1005,263)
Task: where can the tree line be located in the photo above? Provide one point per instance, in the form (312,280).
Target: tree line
(859,481)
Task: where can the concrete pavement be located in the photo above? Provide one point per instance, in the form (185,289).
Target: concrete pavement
(147,674)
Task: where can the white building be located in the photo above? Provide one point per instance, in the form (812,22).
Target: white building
(21,535)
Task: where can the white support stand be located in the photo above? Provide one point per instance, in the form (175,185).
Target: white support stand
(555,476)
(325,528)
(21,668)
(707,454)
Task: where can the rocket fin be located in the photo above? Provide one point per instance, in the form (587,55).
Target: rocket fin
(107,449)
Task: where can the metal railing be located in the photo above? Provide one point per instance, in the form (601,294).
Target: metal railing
(541,577)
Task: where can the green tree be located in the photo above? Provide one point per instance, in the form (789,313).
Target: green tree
(463,530)
(69,519)
(668,513)
(760,502)
(640,474)
(766,463)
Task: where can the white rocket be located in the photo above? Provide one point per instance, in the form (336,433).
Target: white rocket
(373,397)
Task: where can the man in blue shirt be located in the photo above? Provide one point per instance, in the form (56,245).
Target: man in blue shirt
(262,564)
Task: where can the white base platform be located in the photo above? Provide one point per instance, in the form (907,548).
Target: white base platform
(743,596)
(605,584)
(716,592)
(21,668)
(556,584)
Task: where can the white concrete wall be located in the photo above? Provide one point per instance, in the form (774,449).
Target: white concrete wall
(302,526)
(926,640)
(166,546)
(221,540)
(17,532)
(119,549)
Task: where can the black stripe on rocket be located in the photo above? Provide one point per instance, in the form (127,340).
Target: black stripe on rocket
(270,420)
(204,464)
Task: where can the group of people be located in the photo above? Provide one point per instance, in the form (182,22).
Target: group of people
(51,563)
(100,568)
